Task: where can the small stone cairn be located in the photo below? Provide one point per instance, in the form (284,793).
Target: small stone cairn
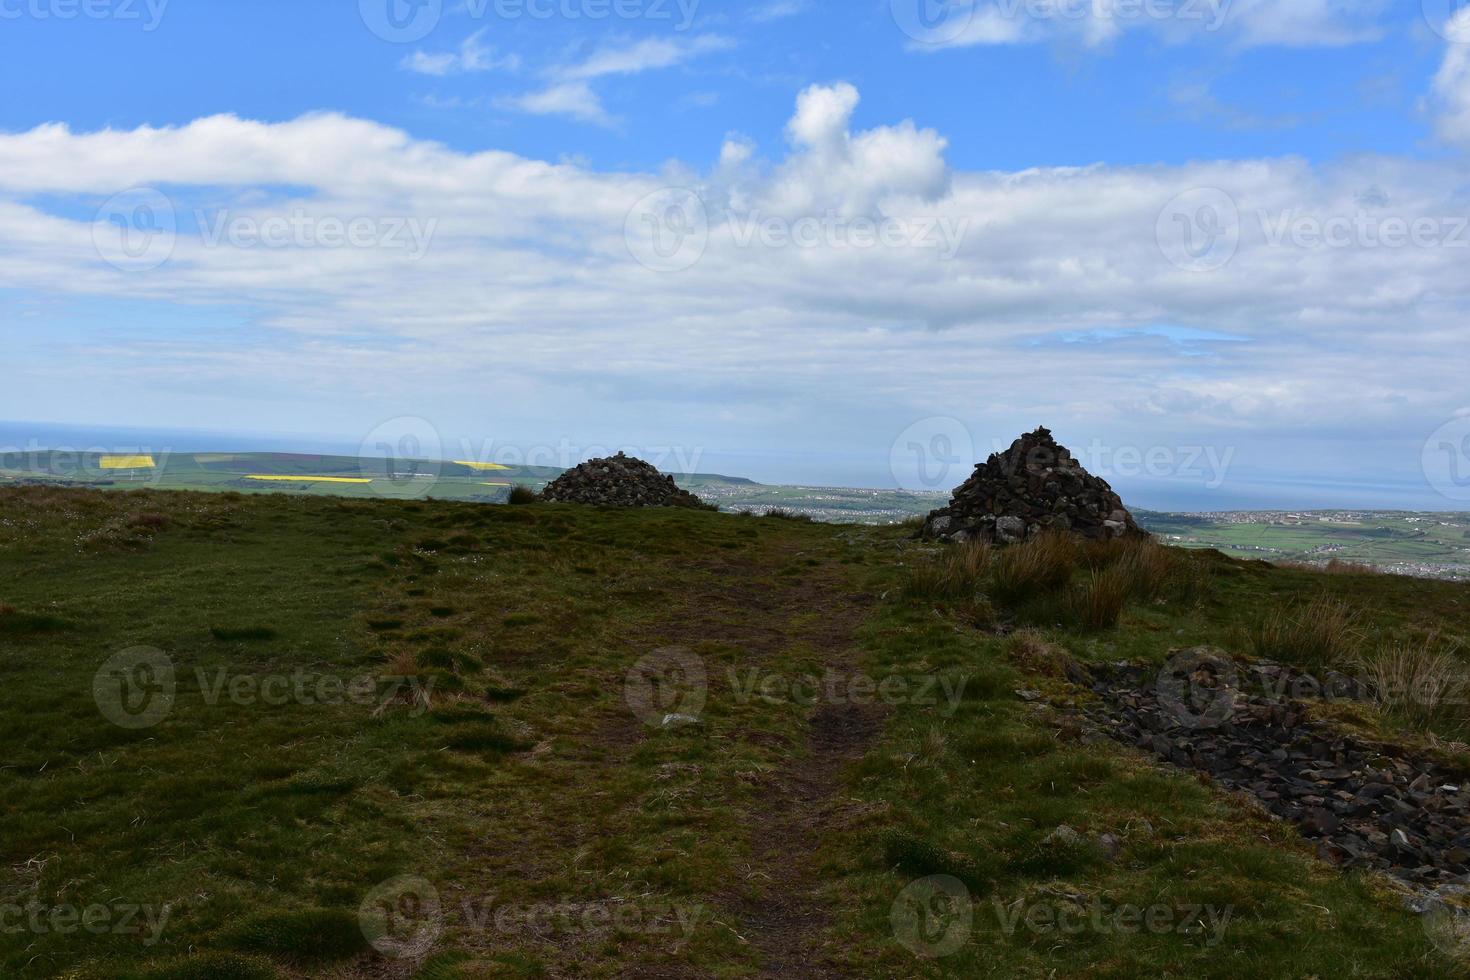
(619,481)
(1032,487)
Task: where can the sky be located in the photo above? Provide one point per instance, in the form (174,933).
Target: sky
(1219,247)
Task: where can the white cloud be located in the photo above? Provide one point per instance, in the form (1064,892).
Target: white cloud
(1096,23)
(569,93)
(852,173)
(1305,23)
(779,10)
(1452,83)
(573,99)
(472,56)
(528,286)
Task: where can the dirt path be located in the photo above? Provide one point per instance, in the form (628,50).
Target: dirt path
(787,917)
(747,603)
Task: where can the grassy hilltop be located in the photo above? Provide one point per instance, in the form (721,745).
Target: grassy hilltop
(454,720)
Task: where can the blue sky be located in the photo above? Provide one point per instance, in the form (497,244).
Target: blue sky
(1044,168)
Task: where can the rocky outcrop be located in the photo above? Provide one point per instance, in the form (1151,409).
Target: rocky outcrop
(1032,487)
(619,481)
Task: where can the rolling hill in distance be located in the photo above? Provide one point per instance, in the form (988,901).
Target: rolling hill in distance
(1426,544)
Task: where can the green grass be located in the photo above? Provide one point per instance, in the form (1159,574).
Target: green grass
(372,689)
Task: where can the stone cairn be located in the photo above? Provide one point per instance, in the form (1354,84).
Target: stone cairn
(618,481)
(1032,487)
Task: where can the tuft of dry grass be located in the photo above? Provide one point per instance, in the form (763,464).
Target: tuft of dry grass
(1320,633)
(957,575)
(1421,683)
(522,495)
(1098,603)
(1034,568)
(1147,567)
(403,663)
(1029,650)
(6,609)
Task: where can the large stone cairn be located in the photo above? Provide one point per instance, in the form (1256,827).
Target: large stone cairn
(618,481)
(1032,487)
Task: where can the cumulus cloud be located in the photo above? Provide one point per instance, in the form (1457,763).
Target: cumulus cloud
(833,168)
(1063,299)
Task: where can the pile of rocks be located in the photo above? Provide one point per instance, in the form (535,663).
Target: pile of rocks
(1034,486)
(618,481)
(1367,804)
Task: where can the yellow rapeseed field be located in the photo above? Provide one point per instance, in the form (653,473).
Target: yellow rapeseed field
(313,479)
(126,462)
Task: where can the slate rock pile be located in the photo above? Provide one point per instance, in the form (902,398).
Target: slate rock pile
(1366,804)
(1034,486)
(619,481)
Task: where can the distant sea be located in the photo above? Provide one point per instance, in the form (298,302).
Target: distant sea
(1243,490)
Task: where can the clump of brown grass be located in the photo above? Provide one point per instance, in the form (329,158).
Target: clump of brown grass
(403,663)
(1320,633)
(1098,602)
(6,609)
(957,575)
(1029,650)
(1034,568)
(1419,682)
(1146,566)
(1190,581)
(521,495)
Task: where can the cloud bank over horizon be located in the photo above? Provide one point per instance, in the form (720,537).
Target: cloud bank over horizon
(327,271)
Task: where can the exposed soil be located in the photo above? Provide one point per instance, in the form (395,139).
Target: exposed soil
(787,922)
(786,918)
